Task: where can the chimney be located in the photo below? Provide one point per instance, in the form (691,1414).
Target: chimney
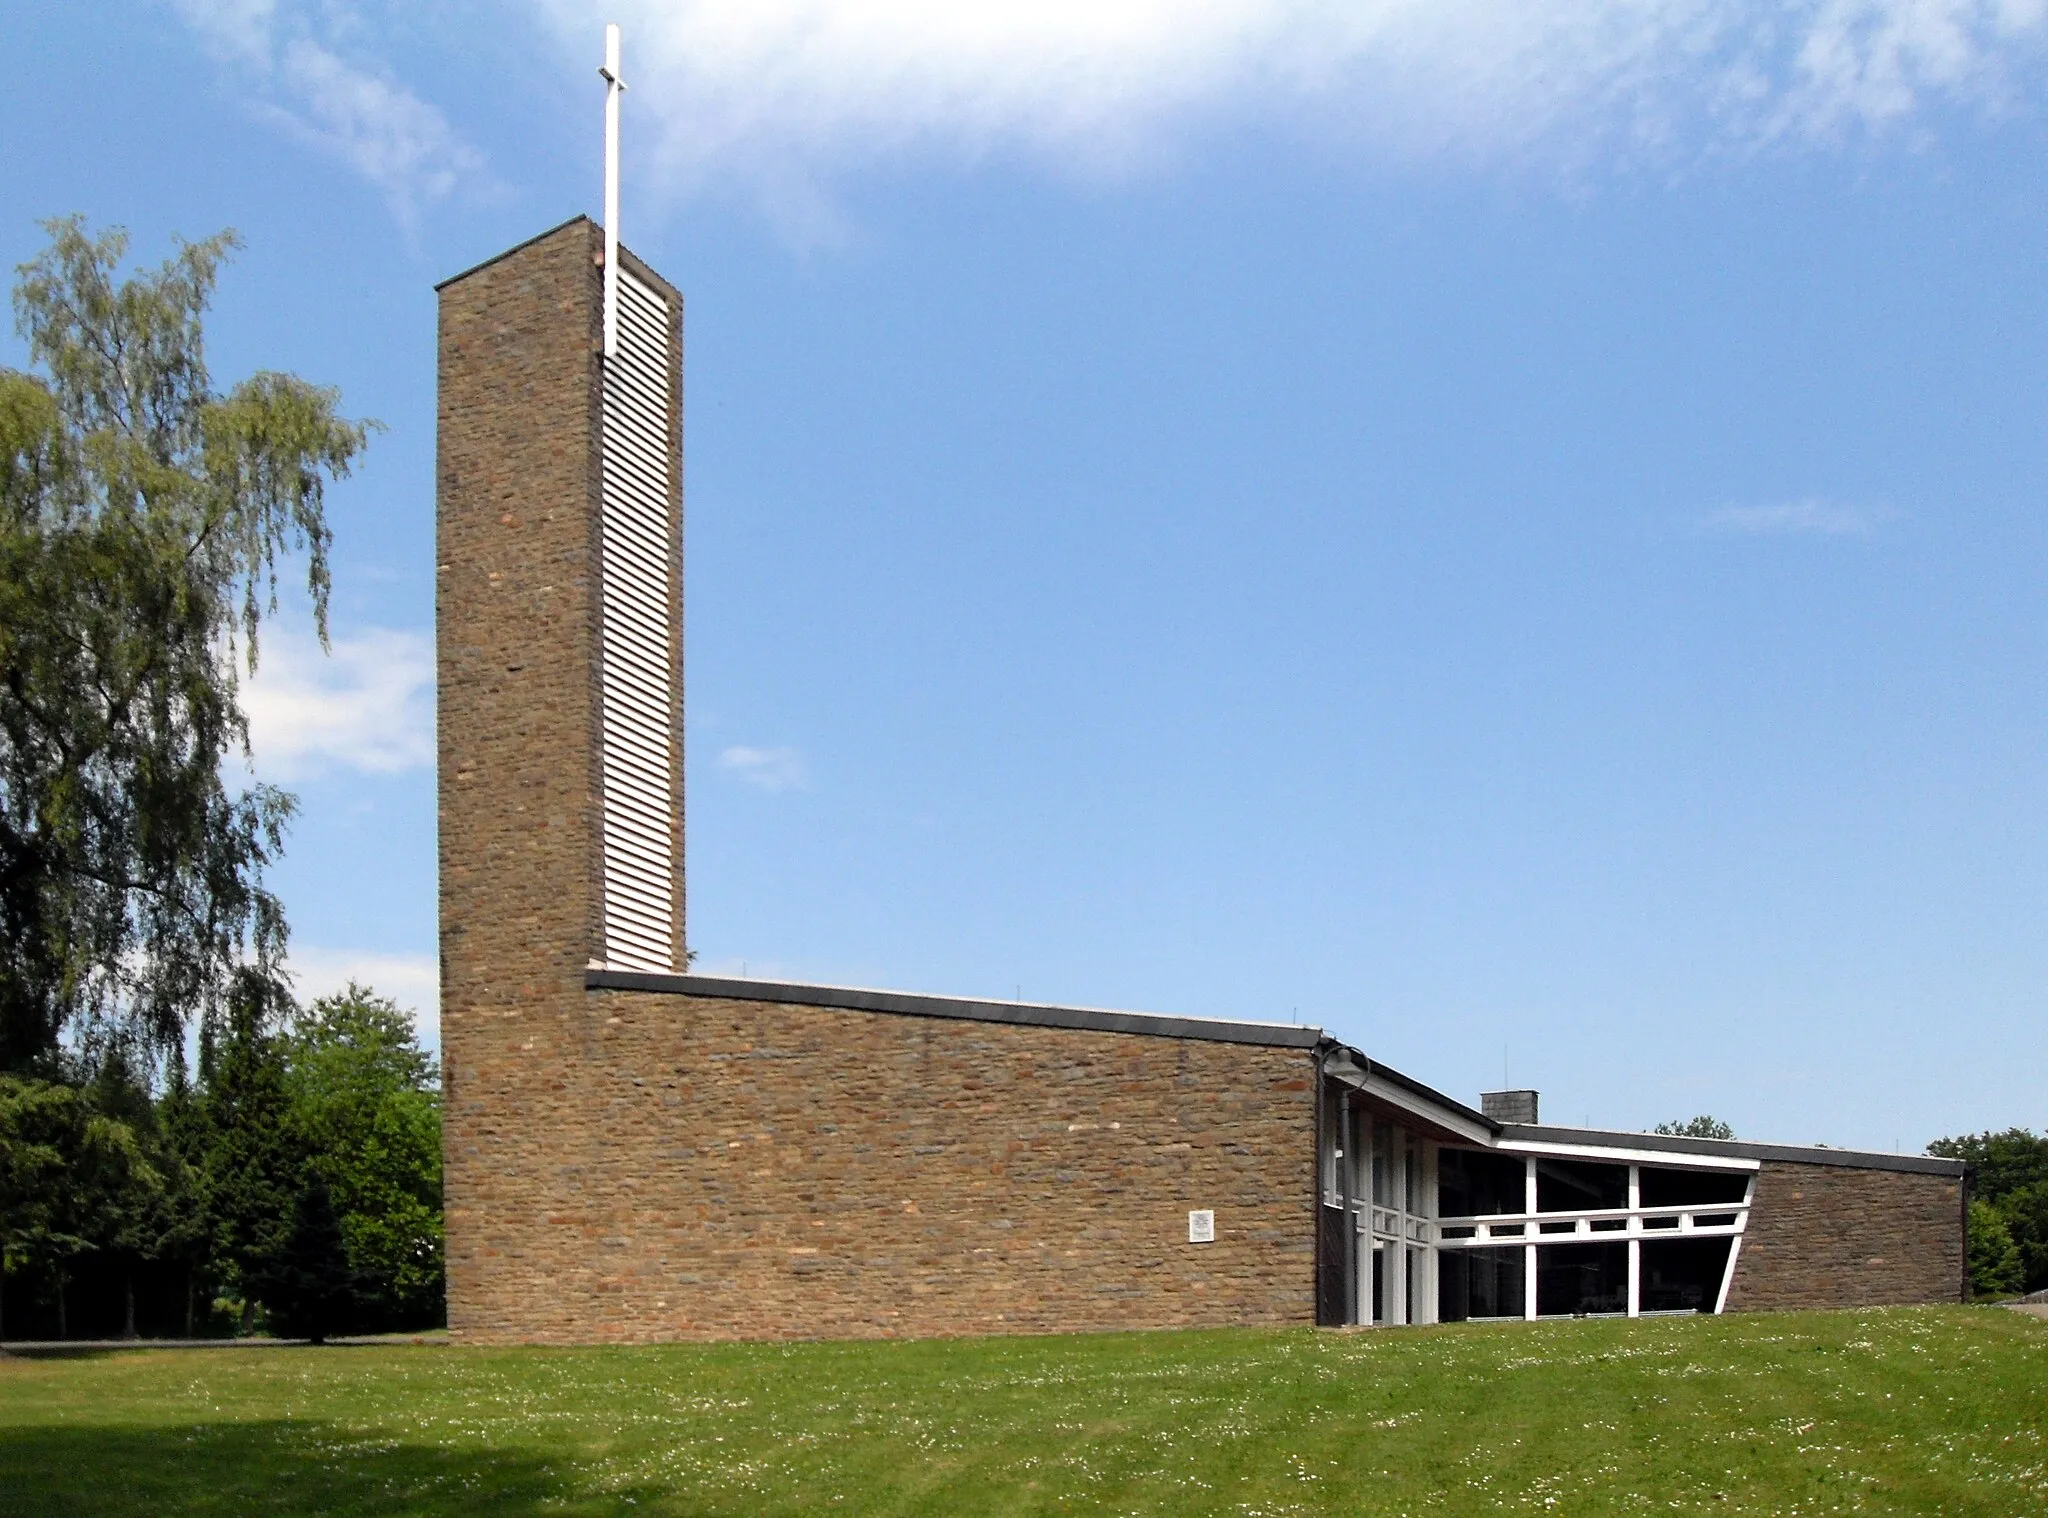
(1509,1106)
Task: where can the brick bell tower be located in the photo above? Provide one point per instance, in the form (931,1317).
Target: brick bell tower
(558,632)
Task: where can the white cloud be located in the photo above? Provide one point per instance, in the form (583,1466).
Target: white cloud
(772,769)
(292,56)
(411,980)
(376,126)
(369,705)
(773,95)
(1809,516)
(771,91)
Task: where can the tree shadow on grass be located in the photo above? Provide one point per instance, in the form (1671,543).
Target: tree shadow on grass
(245,1469)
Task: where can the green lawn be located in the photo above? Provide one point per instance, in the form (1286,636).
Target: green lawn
(1925,1411)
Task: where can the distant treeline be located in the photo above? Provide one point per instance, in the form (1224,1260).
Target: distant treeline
(291,1183)
(2008,1208)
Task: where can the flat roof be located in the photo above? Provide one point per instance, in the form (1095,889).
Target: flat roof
(1741,1149)
(969,1009)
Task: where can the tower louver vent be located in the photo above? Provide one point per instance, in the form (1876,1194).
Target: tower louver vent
(637,695)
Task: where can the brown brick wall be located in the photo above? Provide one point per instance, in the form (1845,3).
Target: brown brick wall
(651,1166)
(627,1165)
(636,1166)
(516,605)
(1832,1236)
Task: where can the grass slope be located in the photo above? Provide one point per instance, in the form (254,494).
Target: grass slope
(1924,1411)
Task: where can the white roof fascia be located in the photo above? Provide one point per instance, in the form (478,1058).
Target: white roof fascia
(1381,1089)
(1660,1157)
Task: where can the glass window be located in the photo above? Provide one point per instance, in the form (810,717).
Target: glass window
(1358,1140)
(1683,1275)
(1471,1183)
(1579,1186)
(1382,1155)
(1479,1283)
(1693,1188)
(1333,1144)
(1575,1279)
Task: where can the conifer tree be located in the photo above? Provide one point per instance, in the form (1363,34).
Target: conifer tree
(309,1287)
(255,1161)
(1995,1267)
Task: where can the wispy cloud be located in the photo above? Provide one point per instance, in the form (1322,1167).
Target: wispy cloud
(773,96)
(771,769)
(411,980)
(369,705)
(308,75)
(1824,518)
(772,91)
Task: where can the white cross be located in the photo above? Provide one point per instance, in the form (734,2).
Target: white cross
(614,86)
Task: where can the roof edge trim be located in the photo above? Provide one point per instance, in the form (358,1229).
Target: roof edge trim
(1795,1154)
(1370,1070)
(517,247)
(913,1004)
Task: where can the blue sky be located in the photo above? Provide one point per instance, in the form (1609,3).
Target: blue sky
(1513,533)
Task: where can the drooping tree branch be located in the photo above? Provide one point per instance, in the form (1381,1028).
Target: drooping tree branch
(144,519)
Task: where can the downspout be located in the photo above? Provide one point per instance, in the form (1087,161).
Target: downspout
(1315,1179)
(1344,1142)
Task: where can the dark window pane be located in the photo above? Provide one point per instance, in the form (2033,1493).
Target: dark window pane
(1479,1283)
(1581,1278)
(1660,1222)
(1693,1188)
(1579,1186)
(1333,1226)
(1683,1275)
(1472,1183)
(1609,1225)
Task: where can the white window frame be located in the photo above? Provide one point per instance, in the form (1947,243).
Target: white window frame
(1494,1230)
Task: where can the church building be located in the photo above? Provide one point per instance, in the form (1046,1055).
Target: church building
(635,1153)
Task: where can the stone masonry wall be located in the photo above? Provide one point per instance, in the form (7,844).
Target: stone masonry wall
(516,554)
(625,1165)
(664,1166)
(1832,1236)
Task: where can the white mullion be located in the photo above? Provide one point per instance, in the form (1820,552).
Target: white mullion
(1431,1278)
(1397,1256)
(1728,1275)
(1635,1242)
(1529,1248)
(1735,1246)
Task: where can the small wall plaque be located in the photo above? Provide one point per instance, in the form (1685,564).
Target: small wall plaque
(1202,1227)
